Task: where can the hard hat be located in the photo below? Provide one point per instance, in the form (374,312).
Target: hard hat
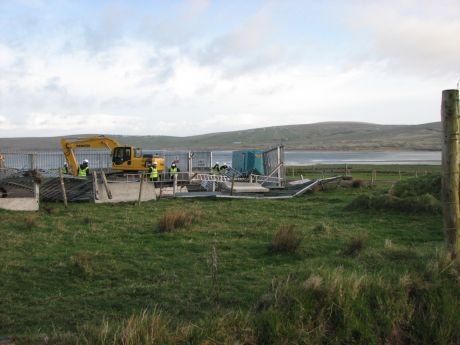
(173,164)
(217,162)
(85,161)
(154,163)
(65,163)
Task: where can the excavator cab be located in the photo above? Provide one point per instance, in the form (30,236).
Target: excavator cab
(121,155)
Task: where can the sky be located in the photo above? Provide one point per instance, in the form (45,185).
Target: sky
(180,68)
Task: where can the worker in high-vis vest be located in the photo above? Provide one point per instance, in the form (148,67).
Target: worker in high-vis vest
(65,169)
(173,170)
(153,172)
(83,170)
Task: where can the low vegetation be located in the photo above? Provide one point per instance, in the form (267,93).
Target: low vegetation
(413,195)
(105,274)
(178,219)
(286,239)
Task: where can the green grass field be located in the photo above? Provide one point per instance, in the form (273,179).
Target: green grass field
(105,274)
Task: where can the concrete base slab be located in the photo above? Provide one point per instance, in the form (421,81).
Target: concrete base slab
(245,187)
(169,192)
(19,204)
(125,192)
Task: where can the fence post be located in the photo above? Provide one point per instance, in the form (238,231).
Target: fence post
(141,184)
(190,163)
(450,170)
(64,195)
(33,161)
(174,185)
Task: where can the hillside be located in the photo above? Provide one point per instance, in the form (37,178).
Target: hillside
(317,136)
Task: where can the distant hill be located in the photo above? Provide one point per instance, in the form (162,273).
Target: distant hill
(317,136)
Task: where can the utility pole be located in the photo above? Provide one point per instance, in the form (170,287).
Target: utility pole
(450,170)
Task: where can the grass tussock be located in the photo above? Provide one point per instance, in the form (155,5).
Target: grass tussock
(358,184)
(31,221)
(286,240)
(323,228)
(355,245)
(81,263)
(173,220)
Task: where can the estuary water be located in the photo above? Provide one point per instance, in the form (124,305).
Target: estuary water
(351,157)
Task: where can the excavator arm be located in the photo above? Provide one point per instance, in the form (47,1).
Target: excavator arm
(69,144)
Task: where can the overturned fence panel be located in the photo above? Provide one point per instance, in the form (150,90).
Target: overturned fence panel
(77,189)
(18,191)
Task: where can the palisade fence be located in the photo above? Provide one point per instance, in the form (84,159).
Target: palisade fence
(101,159)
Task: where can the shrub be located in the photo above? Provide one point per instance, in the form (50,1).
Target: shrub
(357,184)
(424,203)
(286,239)
(173,220)
(418,186)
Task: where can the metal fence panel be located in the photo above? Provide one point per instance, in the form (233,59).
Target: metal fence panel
(272,158)
(55,160)
(201,161)
(100,159)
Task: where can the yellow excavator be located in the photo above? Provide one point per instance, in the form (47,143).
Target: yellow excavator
(124,158)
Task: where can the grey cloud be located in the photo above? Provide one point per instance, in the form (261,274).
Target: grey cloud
(108,30)
(413,37)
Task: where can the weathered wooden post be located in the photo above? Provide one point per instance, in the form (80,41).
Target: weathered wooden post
(450,170)
(106,185)
(174,185)
(141,185)
(64,194)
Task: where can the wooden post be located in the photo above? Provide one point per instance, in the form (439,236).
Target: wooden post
(95,189)
(346,169)
(233,182)
(399,172)
(174,185)
(450,170)
(106,186)
(141,184)
(416,174)
(64,195)
(372,177)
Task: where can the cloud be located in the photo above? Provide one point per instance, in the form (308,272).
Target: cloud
(6,124)
(416,37)
(249,47)
(78,123)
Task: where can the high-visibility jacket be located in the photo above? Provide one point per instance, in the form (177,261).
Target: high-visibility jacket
(173,171)
(153,174)
(65,170)
(83,172)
